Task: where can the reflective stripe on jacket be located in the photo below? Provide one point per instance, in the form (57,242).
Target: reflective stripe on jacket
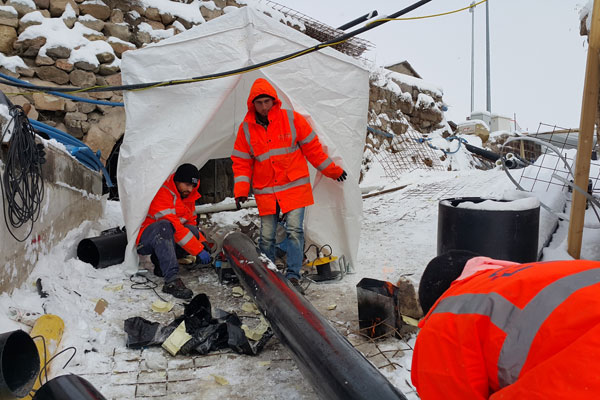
(168,204)
(522,331)
(273,159)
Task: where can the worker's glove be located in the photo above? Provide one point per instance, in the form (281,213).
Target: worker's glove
(342,177)
(239,201)
(204,257)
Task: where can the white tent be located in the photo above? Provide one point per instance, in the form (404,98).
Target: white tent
(197,122)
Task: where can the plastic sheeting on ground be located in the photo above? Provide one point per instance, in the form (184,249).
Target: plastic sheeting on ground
(199,121)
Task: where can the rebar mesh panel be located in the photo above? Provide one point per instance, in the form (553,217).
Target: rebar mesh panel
(353,47)
(542,167)
(406,154)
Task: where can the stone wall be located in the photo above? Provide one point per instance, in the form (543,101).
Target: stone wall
(108,28)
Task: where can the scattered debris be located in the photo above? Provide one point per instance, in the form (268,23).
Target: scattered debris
(38,285)
(207,332)
(237,291)
(162,306)
(23,316)
(250,308)
(220,380)
(177,339)
(113,288)
(332,307)
(101,305)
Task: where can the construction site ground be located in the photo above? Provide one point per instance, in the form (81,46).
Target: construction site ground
(398,238)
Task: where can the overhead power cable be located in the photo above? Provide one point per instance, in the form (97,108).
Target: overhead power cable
(238,71)
(429,16)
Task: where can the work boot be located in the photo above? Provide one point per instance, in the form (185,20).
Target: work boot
(296,283)
(177,289)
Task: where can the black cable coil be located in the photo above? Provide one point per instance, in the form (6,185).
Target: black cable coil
(22,183)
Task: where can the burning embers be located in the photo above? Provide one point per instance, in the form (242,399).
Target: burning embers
(383,307)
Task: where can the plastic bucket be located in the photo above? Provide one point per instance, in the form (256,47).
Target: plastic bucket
(68,387)
(104,250)
(19,364)
(503,232)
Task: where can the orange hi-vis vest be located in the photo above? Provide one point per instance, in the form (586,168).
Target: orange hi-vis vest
(168,205)
(273,159)
(526,331)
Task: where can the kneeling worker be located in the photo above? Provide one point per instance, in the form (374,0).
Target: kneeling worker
(170,227)
(501,330)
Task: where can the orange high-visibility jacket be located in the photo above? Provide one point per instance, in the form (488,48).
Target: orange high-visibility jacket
(273,158)
(527,331)
(168,204)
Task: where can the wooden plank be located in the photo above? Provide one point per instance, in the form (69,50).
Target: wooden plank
(589,108)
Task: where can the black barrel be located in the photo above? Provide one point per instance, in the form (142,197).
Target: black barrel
(68,387)
(503,234)
(104,250)
(19,364)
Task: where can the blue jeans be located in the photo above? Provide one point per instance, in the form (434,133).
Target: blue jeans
(158,238)
(295,239)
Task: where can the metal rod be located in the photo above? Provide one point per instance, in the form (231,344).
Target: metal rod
(334,368)
(487,55)
(358,20)
(472,11)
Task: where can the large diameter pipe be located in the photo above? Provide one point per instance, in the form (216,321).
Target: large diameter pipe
(334,368)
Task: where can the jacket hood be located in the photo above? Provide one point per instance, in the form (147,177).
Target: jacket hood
(262,86)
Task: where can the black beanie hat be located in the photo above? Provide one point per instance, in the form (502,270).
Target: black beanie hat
(261,96)
(187,173)
(439,275)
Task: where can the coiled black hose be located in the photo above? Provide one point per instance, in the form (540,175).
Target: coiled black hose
(22,183)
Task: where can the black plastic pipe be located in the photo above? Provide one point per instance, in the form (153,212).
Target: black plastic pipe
(104,250)
(19,364)
(334,368)
(358,20)
(502,234)
(68,387)
(489,155)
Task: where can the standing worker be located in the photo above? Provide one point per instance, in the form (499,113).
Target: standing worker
(170,230)
(501,330)
(270,150)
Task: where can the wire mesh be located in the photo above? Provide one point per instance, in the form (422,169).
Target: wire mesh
(353,47)
(541,166)
(404,153)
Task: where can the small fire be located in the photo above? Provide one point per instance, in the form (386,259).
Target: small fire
(376,322)
(389,287)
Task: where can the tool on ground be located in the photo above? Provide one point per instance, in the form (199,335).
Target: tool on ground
(323,265)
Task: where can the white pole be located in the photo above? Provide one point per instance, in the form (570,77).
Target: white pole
(487,51)
(472,11)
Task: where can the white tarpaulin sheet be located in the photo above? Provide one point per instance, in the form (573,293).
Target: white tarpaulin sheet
(197,122)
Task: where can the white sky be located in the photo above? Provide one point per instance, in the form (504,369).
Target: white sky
(538,57)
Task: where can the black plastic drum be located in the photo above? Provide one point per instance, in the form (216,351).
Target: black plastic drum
(503,233)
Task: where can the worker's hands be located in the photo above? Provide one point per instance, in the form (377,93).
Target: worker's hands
(239,201)
(342,177)
(204,257)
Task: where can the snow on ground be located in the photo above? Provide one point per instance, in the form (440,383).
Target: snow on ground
(398,238)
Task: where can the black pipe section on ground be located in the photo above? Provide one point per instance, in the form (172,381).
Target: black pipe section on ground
(104,250)
(358,20)
(489,155)
(334,368)
(68,387)
(19,364)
